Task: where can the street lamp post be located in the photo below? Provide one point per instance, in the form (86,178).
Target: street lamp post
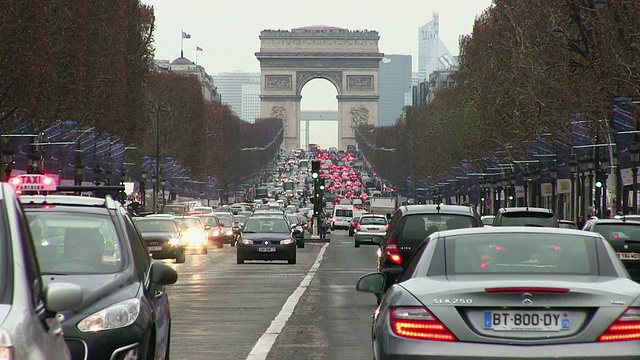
(635,161)
(591,166)
(583,186)
(573,167)
(554,178)
(143,189)
(163,182)
(156,109)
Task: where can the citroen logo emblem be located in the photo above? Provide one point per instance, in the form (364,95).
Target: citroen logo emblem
(527,299)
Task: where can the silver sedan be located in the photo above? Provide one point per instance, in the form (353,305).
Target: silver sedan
(508,293)
(370,225)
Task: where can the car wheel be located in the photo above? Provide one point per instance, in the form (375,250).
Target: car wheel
(300,244)
(292,259)
(180,258)
(357,244)
(204,250)
(220,245)
(239,259)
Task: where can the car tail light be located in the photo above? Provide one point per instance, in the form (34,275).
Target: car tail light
(627,327)
(418,323)
(393,254)
(358,227)
(387,226)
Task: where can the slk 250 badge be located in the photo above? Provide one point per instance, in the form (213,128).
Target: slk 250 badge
(452,301)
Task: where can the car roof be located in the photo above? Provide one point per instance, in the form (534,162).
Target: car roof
(64,200)
(525,209)
(516,229)
(614,221)
(436,209)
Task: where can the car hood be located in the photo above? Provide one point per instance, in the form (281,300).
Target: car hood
(266,236)
(97,287)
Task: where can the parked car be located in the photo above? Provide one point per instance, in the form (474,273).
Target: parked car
(267,238)
(410,225)
(624,237)
(525,216)
(162,236)
(507,292)
(29,325)
(93,242)
(370,225)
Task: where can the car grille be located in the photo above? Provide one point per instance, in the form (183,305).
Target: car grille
(152,243)
(77,349)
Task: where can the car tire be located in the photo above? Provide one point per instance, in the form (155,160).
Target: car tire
(233,243)
(292,259)
(204,250)
(181,258)
(239,259)
(300,244)
(357,244)
(220,245)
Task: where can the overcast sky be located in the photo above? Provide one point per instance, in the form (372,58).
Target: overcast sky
(228,31)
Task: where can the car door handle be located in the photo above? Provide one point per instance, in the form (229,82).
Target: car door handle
(158,294)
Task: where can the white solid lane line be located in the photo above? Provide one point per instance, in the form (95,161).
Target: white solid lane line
(265,343)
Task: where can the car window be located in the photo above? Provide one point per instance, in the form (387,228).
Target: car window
(621,231)
(371,220)
(76,243)
(268,225)
(418,227)
(344,213)
(156,225)
(210,220)
(293,219)
(224,222)
(139,250)
(529,218)
(524,254)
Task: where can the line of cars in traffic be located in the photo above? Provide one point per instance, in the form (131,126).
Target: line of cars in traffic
(448,287)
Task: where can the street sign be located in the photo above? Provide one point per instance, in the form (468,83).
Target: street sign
(487,202)
(33,182)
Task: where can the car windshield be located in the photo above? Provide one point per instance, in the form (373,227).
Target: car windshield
(528,218)
(205,210)
(373,220)
(156,225)
(190,222)
(266,225)
(621,231)
(210,220)
(72,243)
(226,222)
(293,219)
(521,254)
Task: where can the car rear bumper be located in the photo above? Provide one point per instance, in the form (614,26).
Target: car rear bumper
(167,252)
(366,236)
(406,349)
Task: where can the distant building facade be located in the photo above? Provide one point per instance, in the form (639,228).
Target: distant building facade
(183,65)
(241,91)
(394,74)
(433,54)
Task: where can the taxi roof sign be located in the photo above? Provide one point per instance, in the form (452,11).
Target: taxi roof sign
(33,182)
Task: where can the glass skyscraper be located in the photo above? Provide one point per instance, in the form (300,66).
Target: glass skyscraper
(432,53)
(394,74)
(241,91)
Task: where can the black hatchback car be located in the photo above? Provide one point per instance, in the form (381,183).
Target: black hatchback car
(162,237)
(93,242)
(267,238)
(410,225)
(624,237)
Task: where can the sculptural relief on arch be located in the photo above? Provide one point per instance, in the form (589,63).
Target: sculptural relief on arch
(347,58)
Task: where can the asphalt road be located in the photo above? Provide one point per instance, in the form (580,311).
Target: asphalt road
(272,310)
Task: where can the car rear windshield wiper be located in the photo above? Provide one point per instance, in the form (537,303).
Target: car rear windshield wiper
(249,232)
(52,273)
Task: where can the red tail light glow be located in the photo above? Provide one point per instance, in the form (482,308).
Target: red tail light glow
(14,181)
(358,227)
(627,327)
(547,290)
(393,254)
(616,236)
(387,226)
(418,323)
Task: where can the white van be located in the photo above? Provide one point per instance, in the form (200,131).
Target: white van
(342,215)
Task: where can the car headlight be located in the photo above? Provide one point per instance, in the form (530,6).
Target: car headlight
(247,242)
(229,232)
(194,237)
(116,316)
(174,242)
(216,232)
(287,241)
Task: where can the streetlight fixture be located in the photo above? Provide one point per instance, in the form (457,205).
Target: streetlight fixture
(634,151)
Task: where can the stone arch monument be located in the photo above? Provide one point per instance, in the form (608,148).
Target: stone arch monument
(346,58)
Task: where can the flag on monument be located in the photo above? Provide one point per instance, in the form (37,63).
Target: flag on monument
(198,48)
(185,35)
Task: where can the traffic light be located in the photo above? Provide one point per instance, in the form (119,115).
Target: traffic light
(321,185)
(315,169)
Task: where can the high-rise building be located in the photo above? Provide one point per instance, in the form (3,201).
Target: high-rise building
(231,87)
(433,55)
(394,87)
(250,102)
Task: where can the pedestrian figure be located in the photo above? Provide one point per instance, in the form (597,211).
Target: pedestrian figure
(322,225)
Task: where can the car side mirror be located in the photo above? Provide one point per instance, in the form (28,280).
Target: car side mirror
(62,296)
(297,230)
(207,227)
(163,274)
(371,283)
(377,239)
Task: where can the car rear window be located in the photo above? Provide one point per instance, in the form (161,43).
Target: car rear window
(370,220)
(521,254)
(622,231)
(527,218)
(344,213)
(419,226)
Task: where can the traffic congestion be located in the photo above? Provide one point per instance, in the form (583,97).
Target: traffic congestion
(406,281)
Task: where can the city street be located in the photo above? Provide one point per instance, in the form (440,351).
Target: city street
(222,310)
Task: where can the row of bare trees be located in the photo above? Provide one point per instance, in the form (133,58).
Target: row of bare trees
(526,69)
(92,62)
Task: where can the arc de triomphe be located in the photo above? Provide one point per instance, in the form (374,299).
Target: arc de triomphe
(347,58)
